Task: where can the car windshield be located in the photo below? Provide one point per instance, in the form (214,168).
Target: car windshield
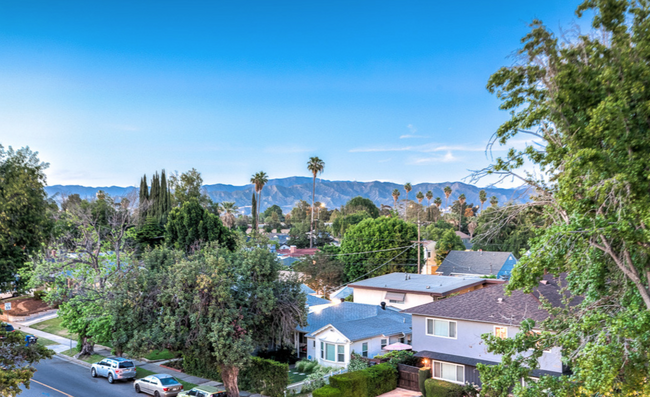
(126,364)
(167,381)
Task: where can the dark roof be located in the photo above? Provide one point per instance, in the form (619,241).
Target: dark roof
(473,262)
(450,358)
(483,305)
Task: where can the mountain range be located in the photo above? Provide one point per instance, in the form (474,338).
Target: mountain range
(285,192)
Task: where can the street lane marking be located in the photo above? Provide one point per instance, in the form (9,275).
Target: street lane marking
(43,384)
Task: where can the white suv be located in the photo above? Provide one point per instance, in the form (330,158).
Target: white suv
(116,368)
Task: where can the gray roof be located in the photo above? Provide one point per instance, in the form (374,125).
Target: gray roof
(419,283)
(473,262)
(483,305)
(341,293)
(314,301)
(357,321)
(306,289)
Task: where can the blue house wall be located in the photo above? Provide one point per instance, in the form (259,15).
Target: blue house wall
(506,269)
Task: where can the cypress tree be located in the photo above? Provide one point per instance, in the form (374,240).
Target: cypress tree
(254,213)
(165,206)
(143,199)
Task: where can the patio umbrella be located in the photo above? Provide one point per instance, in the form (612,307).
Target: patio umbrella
(398,346)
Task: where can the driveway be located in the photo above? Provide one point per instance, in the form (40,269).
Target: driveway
(401,393)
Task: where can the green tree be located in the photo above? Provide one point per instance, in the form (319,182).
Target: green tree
(395,197)
(482,197)
(24,224)
(316,166)
(16,362)
(217,307)
(420,197)
(389,241)
(438,202)
(229,210)
(188,186)
(342,223)
(259,180)
(359,203)
(515,235)
(585,100)
(191,226)
(407,189)
(254,214)
(323,270)
(494,201)
(429,197)
(274,208)
(447,190)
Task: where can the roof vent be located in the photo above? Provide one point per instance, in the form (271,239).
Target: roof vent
(544,282)
(500,300)
(428,287)
(403,320)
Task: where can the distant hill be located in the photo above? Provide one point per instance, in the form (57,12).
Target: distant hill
(285,192)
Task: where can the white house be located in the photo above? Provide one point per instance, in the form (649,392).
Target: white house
(334,331)
(405,290)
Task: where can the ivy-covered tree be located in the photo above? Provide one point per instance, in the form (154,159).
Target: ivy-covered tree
(584,98)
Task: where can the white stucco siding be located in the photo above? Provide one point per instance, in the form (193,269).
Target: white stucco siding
(332,336)
(375,297)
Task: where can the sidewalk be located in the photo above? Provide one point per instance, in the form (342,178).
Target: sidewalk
(63,343)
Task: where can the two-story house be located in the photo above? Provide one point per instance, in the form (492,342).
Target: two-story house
(477,264)
(405,290)
(448,332)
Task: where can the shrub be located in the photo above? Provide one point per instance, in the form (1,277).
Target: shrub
(315,379)
(39,295)
(351,384)
(197,364)
(405,357)
(327,391)
(265,376)
(300,365)
(382,378)
(311,366)
(357,363)
(440,388)
(423,375)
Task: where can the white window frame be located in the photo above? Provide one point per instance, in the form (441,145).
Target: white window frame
(336,352)
(382,344)
(494,331)
(433,372)
(426,327)
(322,350)
(364,353)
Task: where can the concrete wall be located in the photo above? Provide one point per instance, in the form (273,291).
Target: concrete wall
(375,297)
(468,343)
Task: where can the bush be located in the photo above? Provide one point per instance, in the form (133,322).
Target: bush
(39,295)
(440,388)
(200,365)
(423,375)
(315,379)
(265,376)
(351,384)
(396,357)
(369,382)
(357,363)
(327,391)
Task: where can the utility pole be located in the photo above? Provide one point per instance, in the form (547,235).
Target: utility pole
(419,243)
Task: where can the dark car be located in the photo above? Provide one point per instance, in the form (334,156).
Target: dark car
(8,328)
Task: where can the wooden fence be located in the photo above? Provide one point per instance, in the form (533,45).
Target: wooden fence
(408,377)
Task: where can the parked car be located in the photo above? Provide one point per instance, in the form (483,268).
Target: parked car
(205,391)
(8,327)
(115,368)
(159,385)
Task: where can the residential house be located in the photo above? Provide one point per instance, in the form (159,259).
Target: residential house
(293,254)
(478,263)
(467,240)
(447,333)
(405,290)
(430,263)
(341,293)
(281,238)
(335,331)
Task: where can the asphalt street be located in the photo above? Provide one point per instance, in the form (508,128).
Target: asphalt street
(59,378)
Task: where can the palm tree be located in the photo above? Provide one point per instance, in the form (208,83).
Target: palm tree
(407,188)
(259,180)
(461,202)
(437,202)
(447,191)
(482,197)
(429,197)
(229,210)
(494,201)
(395,197)
(420,197)
(316,166)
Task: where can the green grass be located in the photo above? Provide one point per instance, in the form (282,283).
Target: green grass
(53,326)
(160,355)
(141,373)
(295,378)
(92,359)
(41,341)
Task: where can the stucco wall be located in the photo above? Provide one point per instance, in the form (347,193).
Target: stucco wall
(375,297)
(468,343)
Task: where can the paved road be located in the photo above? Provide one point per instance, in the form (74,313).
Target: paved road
(59,378)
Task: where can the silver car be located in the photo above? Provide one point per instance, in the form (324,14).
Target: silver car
(115,368)
(160,385)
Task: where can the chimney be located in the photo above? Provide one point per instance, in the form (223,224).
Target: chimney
(383,305)
(500,300)
(292,249)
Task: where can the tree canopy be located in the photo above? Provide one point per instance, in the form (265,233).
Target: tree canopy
(190,226)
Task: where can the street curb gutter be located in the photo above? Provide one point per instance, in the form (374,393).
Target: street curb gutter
(73,360)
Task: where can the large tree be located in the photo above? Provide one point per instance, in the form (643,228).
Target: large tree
(216,306)
(359,203)
(258,180)
(191,226)
(24,221)
(584,99)
(316,166)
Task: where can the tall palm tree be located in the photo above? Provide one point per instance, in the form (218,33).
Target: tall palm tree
(447,191)
(494,201)
(229,210)
(461,202)
(316,166)
(259,180)
(429,197)
(395,197)
(482,197)
(437,202)
(407,188)
(420,197)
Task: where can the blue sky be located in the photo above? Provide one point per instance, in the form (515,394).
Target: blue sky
(380,90)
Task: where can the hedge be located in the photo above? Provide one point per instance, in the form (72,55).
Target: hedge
(440,388)
(265,376)
(369,382)
(200,365)
(327,391)
(423,375)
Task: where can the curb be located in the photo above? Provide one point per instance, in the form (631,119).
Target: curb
(73,360)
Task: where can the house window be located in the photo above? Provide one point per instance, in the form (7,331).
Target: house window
(442,328)
(322,350)
(334,353)
(364,349)
(501,332)
(449,372)
(538,343)
(384,343)
(329,352)
(340,356)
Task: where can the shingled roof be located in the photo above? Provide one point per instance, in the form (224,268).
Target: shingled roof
(473,262)
(491,305)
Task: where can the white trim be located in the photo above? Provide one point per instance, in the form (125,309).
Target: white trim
(494,330)
(336,352)
(433,371)
(426,327)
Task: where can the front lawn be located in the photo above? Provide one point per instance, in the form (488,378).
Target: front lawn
(41,341)
(141,373)
(295,377)
(91,360)
(160,355)
(53,326)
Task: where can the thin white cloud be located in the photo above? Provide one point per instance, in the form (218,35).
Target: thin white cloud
(426,148)
(412,133)
(447,158)
(411,136)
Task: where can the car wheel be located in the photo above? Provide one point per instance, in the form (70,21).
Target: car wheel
(93,373)
(156,394)
(110,378)
(137,388)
